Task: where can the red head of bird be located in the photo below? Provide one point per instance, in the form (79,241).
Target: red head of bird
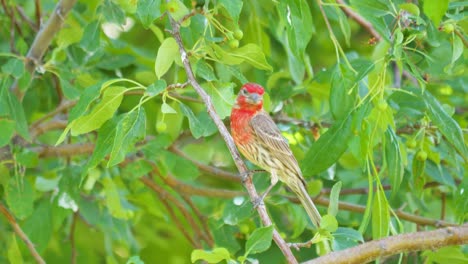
(250,97)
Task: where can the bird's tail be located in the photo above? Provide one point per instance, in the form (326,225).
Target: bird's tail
(308,204)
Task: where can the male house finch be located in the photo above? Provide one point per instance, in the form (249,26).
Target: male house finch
(260,141)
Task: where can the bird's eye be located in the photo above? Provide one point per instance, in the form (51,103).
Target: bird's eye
(244,92)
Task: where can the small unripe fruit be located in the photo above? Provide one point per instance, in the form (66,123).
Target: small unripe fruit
(447,28)
(172,7)
(421,155)
(411,143)
(382,105)
(238,34)
(233,43)
(161,127)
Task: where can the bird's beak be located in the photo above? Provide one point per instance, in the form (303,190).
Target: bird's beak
(254,98)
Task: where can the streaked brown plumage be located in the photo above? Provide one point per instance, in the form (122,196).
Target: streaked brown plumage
(260,141)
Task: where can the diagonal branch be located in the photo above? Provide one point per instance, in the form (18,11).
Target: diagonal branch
(21,234)
(44,38)
(388,246)
(229,142)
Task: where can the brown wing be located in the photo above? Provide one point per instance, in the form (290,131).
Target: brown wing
(270,137)
(269,134)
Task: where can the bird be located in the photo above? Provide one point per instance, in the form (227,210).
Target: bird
(260,141)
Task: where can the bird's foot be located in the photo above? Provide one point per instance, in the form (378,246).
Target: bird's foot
(245,175)
(258,202)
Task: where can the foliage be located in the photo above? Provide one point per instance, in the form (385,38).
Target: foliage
(108,154)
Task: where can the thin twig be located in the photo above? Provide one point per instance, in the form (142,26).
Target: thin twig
(72,237)
(222,174)
(19,232)
(417,241)
(164,198)
(359,19)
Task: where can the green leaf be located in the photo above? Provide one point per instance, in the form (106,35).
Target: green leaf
(14,67)
(343,91)
(334,199)
(457,48)
(393,159)
(166,55)
(69,34)
(252,54)
(16,112)
(28,159)
(7,131)
(447,126)
(214,256)
(113,62)
(137,169)
(69,90)
(112,12)
(435,9)
(131,128)
(91,36)
(411,8)
(201,126)
(147,11)
(222,95)
(13,251)
(345,238)
(20,197)
(329,223)
(167,109)
(104,143)
(233,7)
(328,148)
(103,111)
(380,216)
(113,202)
(204,70)
(177,10)
(39,227)
(156,88)
(249,53)
(446,255)
(296,16)
(135,260)
(259,240)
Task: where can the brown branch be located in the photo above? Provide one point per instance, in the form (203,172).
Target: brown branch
(87,148)
(359,19)
(361,209)
(417,241)
(24,17)
(44,38)
(165,197)
(37,4)
(44,127)
(19,232)
(72,237)
(65,105)
(229,142)
(222,174)
(64,150)
(463,39)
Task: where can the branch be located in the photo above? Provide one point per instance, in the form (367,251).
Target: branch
(164,198)
(19,232)
(222,174)
(388,246)
(229,142)
(359,19)
(44,38)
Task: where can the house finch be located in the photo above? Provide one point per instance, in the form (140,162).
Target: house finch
(260,141)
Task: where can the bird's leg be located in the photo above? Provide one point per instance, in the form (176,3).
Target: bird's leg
(246,174)
(274,181)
